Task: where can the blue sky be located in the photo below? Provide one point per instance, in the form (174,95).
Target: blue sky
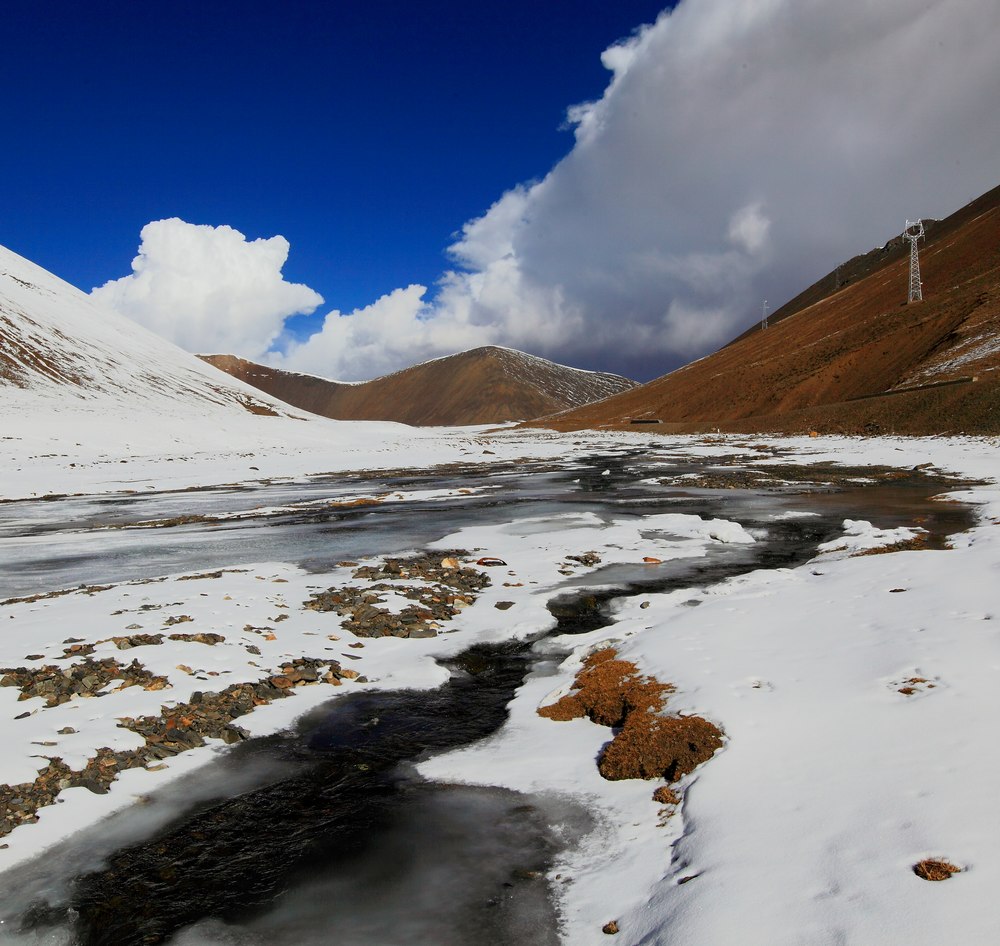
(611,185)
(364,131)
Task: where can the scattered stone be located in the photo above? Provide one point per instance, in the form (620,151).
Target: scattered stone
(933,869)
(587,558)
(137,640)
(652,560)
(175,730)
(78,650)
(202,638)
(85,679)
(504,605)
(88,590)
(178,619)
(610,928)
(443,593)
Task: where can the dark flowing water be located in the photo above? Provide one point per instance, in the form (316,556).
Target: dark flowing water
(337,840)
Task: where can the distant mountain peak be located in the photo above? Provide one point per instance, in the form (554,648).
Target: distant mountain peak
(485,385)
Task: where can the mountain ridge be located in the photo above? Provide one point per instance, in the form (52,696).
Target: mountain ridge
(56,342)
(848,354)
(486,385)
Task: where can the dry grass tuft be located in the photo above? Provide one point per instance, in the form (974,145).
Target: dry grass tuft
(918,543)
(648,745)
(652,746)
(931,869)
(607,690)
(665,795)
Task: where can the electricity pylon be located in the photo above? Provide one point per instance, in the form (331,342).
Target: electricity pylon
(914,231)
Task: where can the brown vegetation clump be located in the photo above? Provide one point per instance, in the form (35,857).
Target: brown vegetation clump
(916,544)
(648,744)
(666,796)
(931,869)
(653,746)
(607,690)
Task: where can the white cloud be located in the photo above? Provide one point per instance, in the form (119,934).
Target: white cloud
(748,229)
(742,149)
(208,289)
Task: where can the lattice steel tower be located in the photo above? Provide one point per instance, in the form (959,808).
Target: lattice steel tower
(914,231)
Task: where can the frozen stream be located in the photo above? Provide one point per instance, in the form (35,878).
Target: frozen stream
(46,545)
(324,834)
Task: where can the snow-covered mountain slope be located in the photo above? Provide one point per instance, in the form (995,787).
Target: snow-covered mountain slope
(56,343)
(91,402)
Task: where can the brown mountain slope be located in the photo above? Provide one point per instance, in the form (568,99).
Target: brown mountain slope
(483,386)
(837,358)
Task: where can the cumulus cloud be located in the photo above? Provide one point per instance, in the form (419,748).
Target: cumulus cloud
(209,289)
(741,149)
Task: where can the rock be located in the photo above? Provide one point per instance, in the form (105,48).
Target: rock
(137,640)
(85,679)
(201,638)
(442,593)
(652,560)
(610,928)
(503,605)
